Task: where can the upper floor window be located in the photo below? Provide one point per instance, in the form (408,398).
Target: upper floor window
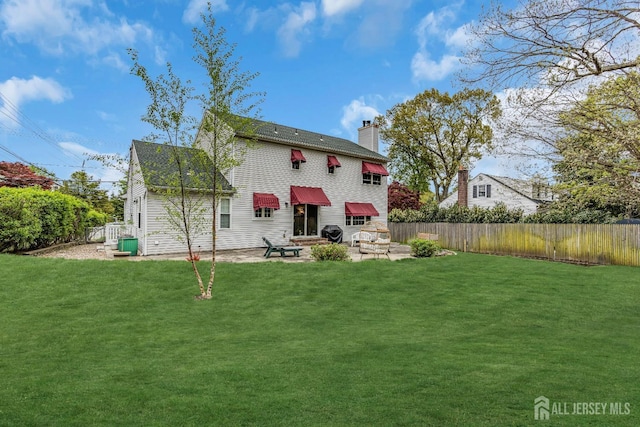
(372,173)
(332,164)
(481,191)
(371,178)
(296,158)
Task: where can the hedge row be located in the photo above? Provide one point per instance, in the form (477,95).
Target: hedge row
(33,218)
(499,214)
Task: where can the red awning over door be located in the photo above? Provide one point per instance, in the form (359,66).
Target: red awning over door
(333,161)
(309,196)
(296,156)
(374,168)
(265,200)
(359,209)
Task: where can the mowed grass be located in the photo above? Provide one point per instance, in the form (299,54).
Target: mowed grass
(461,340)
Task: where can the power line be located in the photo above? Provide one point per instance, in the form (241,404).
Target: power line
(12,112)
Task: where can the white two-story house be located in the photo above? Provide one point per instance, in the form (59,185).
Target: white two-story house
(290,184)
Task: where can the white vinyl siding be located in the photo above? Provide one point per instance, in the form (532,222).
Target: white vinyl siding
(253,175)
(264,169)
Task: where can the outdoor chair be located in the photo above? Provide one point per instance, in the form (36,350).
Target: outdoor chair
(295,250)
(360,236)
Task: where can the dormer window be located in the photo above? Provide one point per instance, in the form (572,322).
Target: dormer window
(296,158)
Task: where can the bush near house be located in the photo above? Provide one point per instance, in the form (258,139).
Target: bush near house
(33,218)
(423,248)
(330,252)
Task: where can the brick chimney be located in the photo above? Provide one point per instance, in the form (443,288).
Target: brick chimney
(463,186)
(368,136)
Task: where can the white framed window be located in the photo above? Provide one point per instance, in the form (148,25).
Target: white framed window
(371,178)
(357,220)
(481,191)
(295,165)
(263,213)
(331,170)
(225,213)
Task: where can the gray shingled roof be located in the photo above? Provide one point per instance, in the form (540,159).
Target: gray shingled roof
(286,135)
(159,168)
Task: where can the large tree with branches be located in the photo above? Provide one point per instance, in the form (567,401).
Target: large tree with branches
(543,55)
(433,134)
(600,164)
(554,42)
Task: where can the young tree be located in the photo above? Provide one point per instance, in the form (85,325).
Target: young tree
(431,135)
(211,152)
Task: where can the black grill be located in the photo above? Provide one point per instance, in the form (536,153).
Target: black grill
(333,233)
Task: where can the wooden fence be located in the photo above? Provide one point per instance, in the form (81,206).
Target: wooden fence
(617,244)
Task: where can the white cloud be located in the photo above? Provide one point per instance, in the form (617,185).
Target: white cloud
(424,68)
(107,117)
(460,37)
(436,26)
(294,30)
(77,150)
(196,7)
(354,113)
(16,92)
(115,60)
(96,169)
(59,27)
(338,7)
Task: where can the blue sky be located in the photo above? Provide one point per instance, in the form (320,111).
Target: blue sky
(325,65)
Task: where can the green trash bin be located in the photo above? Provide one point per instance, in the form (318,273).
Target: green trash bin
(128,244)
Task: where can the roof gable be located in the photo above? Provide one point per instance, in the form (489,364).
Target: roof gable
(520,186)
(160,169)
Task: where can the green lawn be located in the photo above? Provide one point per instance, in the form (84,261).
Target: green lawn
(464,340)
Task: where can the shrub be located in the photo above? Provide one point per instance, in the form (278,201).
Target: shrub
(96,219)
(423,248)
(34,218)
(330,252)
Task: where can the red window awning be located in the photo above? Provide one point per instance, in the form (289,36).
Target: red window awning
(265,200)
(359,209)
(296,156)
(333,161)
(309,196)
(374,168)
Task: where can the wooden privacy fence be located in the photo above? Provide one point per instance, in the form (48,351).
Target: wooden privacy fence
(617,244)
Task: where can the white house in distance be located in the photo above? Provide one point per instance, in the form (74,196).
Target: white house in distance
(291,184)
(486,191)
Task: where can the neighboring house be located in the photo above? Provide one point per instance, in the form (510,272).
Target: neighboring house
(290,184)
(486,191)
